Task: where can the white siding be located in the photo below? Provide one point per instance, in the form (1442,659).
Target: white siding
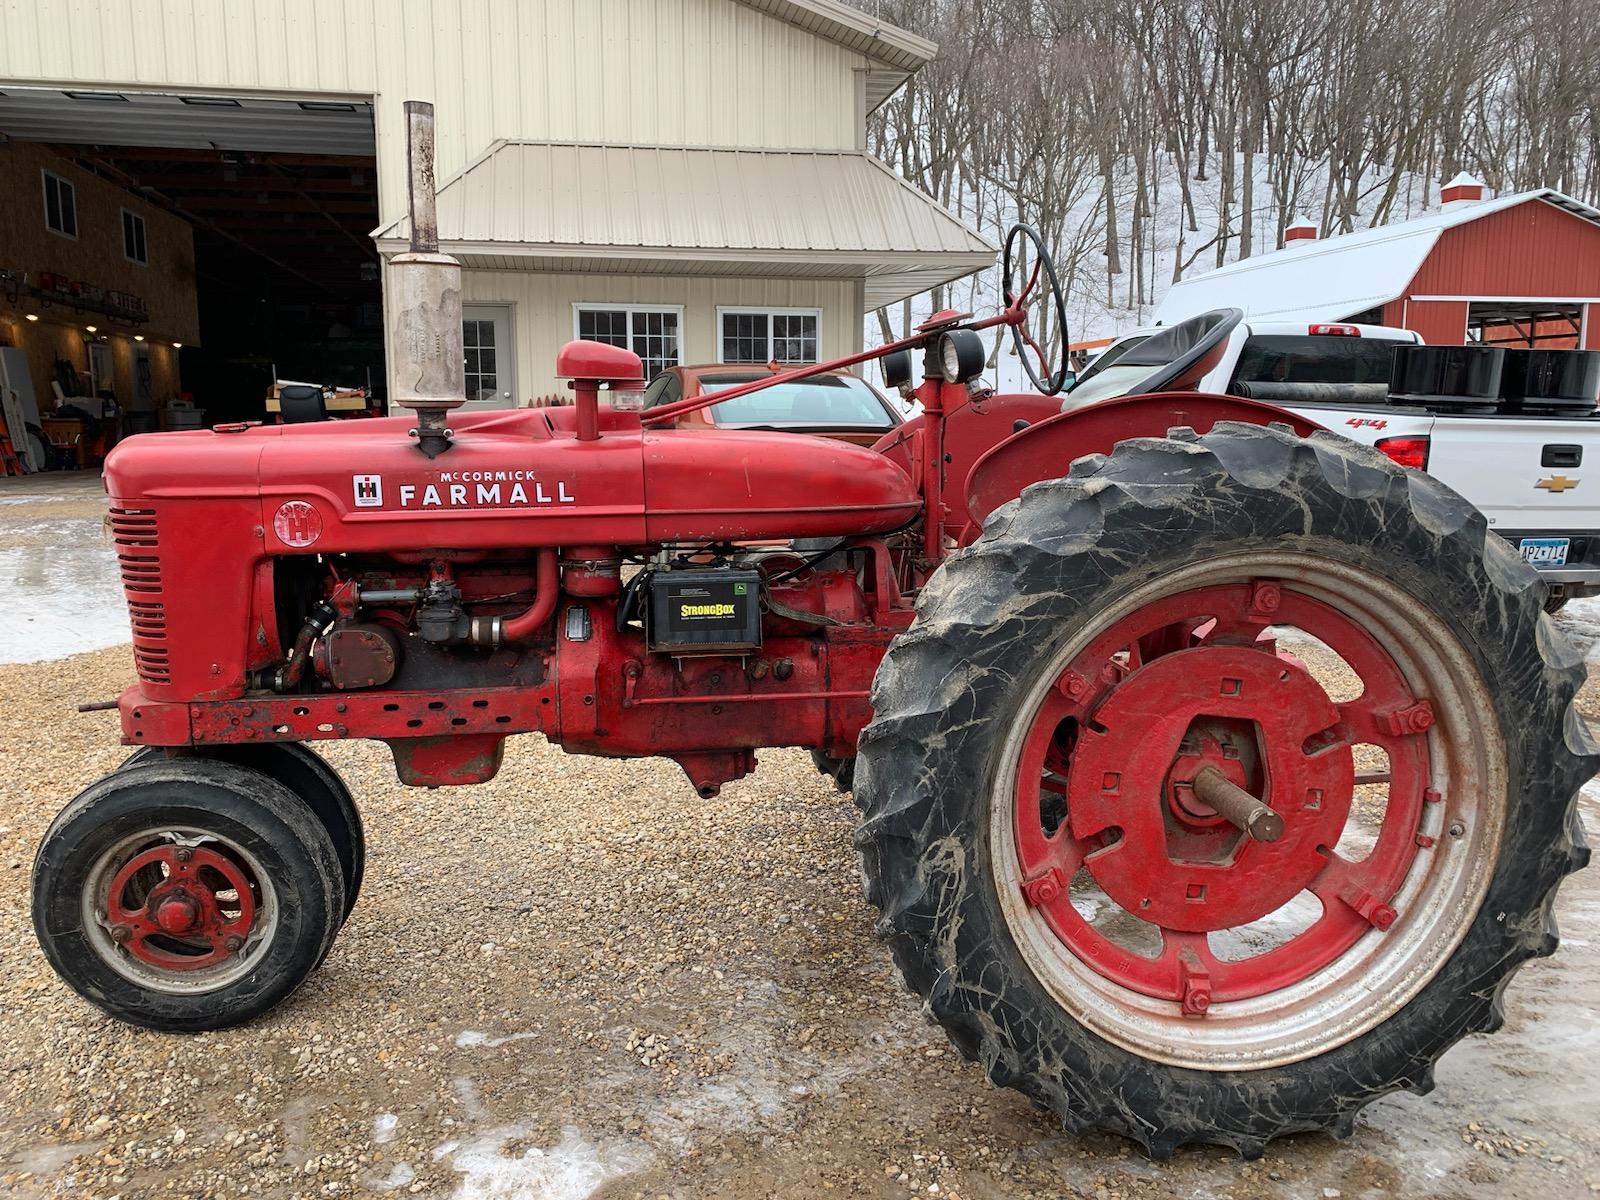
(542,311)
(671,72)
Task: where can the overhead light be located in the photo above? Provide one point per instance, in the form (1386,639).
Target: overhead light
(92,328)
(327,106)
(32,316)
(138,337)
(177,345)
(96,96)
(209,101)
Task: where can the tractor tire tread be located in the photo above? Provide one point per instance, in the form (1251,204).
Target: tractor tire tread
(918,871)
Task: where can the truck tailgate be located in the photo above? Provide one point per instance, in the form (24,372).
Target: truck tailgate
(1527,474)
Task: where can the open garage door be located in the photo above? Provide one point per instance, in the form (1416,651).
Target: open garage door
(275,198)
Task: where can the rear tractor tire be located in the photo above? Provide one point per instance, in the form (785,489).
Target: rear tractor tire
(1337,641)
(186,894)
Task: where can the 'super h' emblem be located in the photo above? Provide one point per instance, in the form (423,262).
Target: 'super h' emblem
(297,523)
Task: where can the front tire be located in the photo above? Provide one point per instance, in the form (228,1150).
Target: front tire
(1118,951)
(305,773)
(186,895)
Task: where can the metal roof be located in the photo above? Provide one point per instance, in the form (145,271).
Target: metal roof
(896,54)
(1334,278)
(676,210)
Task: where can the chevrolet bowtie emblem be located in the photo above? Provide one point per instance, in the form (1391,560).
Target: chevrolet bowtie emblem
(1557,483)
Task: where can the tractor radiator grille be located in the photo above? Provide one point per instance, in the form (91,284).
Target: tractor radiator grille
(133,530)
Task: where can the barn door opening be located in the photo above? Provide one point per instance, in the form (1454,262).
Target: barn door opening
(1530,326)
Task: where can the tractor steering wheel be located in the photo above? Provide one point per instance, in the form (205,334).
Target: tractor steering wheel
(1021,340)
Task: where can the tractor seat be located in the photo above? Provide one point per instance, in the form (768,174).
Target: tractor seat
(299,403)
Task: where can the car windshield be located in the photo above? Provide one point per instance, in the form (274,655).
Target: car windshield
(1138,362)
(824,401)
(1112,354)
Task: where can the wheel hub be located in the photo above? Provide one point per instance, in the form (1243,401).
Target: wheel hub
(1130,756)
(177,914)
(180,907)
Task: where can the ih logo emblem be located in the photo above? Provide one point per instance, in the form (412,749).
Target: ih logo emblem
(369,490)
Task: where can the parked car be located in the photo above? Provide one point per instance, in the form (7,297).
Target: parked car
(837,405)
(1521,468)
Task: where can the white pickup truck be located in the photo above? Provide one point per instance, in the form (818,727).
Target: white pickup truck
(1524,470)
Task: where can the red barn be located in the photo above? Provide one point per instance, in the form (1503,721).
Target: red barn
(1519,270)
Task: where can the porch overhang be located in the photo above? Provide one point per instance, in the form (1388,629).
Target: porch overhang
(655,210)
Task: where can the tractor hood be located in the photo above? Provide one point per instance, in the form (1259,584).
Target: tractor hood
(515,479)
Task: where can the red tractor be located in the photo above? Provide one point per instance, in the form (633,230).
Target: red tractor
(1140,859)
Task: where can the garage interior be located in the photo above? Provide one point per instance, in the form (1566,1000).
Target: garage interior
(281,196)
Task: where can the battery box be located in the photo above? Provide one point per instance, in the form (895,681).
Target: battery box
(705,612)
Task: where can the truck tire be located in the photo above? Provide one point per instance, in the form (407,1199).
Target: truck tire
(305,773)
(187,894)
(1098,938)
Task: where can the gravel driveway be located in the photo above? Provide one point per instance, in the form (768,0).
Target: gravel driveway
(581,980)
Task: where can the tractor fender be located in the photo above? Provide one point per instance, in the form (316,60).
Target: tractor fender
(1047,449)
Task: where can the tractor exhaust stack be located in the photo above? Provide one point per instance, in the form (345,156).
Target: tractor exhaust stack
(425,302)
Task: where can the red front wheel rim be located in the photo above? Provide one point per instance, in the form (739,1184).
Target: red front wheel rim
(179,910)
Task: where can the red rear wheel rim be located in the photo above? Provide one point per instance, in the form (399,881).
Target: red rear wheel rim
(1190,679)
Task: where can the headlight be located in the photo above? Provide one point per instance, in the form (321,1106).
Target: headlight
(897,369)
(961,355)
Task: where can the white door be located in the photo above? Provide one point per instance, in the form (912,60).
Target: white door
(486,344)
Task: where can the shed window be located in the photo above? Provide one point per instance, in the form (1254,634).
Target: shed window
(783,335)
(60,206)
(651,333)
(133,246)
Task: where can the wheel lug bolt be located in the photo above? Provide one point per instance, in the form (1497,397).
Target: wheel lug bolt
(233,943)
(120,933)
(1457,829)
(183,854)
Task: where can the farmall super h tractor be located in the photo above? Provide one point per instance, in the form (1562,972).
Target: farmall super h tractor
(1141,858)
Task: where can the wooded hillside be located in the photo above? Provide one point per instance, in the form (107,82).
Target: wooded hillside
(1153,139)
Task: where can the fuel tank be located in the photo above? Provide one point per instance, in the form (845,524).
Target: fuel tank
(513,479)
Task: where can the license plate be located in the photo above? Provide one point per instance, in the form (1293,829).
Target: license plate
(1545,552)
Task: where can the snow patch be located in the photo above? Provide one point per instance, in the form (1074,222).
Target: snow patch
(572,1169)
(1580,621)
(400,1175)
(472,1037)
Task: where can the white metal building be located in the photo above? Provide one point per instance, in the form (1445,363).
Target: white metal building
(685,176)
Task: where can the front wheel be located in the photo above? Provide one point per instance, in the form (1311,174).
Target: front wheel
(186,894)
(1219,788)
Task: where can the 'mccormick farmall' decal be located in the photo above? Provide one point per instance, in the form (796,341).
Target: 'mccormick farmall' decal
(464,489)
